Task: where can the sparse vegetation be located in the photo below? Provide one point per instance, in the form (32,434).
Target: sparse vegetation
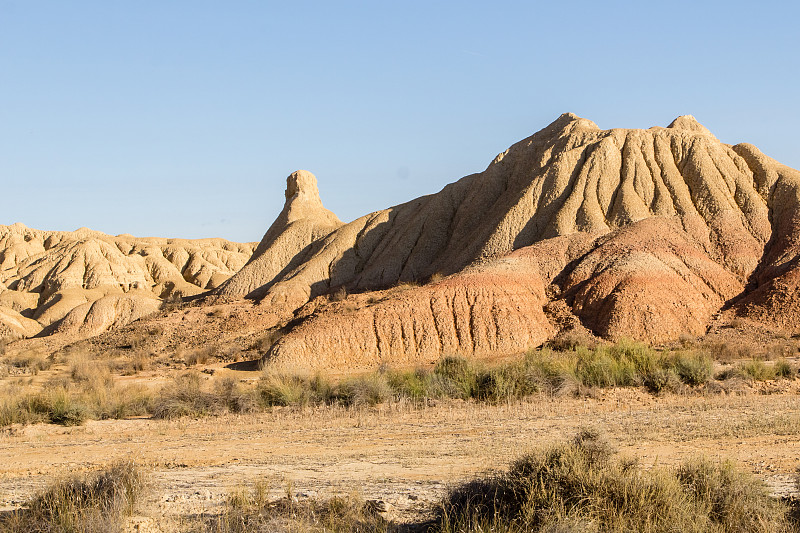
(582,486)
(30,362)
(185,397)
(64,403)
(96,502)
(89,390)
(249,510)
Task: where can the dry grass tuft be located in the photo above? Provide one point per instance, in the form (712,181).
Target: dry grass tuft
(96,502)
(30,362)
(250,511)
(185,397)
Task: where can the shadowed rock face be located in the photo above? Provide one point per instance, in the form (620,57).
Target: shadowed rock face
(84,282)
(642,233)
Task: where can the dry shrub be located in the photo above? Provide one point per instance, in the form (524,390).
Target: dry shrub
(250,510)
(436,277)
(737,323)
(726,352)
(31,361)
(686,340)
(368,390)
(780,350)
(233,397)
(571,339)
(137,362)
(281,388)
(277,388)
(199,356)
(582,483)
(339,294)
(93,373)
(96,502)
(171,302)
(60,402)
(185,397)
(265,342)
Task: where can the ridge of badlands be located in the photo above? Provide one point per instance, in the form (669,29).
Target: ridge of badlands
(648,234)
(84,282)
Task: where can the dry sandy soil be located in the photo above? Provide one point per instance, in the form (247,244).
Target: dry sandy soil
(403,455)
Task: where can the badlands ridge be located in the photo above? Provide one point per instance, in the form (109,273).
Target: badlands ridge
(648,234)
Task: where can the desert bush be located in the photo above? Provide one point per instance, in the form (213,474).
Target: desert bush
(725,352)
(185,397)
(31,361)
(454,377)
(248,511)
(780,350)
(199,356)
(367,390)
(59,403)
(784,369)
(413,385)
(660,379)
(63,408)
(693,368)
(171,302)
(95,502)
(139,361)
(582,486)
(234,398)
(757,370)
(436,277)
(572,339)
(92,372)
(339,294)
(263,343)
(734,500)
(285,389)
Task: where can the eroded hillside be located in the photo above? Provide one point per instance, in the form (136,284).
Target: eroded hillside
(84,282)
(650,234)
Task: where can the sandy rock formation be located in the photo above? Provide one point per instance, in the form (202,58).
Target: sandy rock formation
(46,276)
(630,233)
(302,222)
(642,233)
(480,313)
(15,326)
(115,310)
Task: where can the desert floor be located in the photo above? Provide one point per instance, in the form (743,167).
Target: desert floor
(404,455)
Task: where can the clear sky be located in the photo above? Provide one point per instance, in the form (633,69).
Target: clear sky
(183,118)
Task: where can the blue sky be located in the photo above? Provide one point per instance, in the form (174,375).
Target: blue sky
(183,118)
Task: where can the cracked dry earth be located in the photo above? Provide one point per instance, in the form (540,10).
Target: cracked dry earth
(402,455)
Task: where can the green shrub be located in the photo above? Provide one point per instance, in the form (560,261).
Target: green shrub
(758,370)
(784,369)
(693,368)
(455,377)
(413,385)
